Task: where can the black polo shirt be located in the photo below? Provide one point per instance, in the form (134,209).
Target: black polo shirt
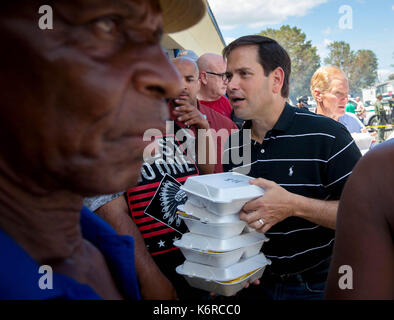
(307,154)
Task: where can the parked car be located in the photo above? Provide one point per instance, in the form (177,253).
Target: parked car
(370,116)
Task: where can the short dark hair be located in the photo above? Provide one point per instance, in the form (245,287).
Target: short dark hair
(271,56)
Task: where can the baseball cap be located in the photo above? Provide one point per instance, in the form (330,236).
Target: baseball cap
(179,15)
(189,54)
(303,99)
(379,95)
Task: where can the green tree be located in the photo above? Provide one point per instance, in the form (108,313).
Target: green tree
(360,67)
(341,56)
(391,76)
(304,57)
(363,72)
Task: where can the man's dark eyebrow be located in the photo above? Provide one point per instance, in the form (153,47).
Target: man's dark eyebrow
(243,69)
(239,70)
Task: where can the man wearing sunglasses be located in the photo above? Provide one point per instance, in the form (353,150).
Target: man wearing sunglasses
(213,83)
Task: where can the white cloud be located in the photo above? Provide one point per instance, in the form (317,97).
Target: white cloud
(392,7)
(322,49)
(228,27)
(228,40)
(383,74)
(258,13)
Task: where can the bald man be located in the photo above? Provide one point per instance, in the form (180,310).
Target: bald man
(212,68)
(187,110)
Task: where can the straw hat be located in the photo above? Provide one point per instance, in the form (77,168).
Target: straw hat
(179,15)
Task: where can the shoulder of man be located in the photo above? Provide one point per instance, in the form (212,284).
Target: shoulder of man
(214,116)
(223,101)
(317,121)
(326,127)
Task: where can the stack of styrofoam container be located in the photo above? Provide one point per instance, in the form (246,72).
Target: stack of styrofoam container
(222,252)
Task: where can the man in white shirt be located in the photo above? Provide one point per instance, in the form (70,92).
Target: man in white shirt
(360,110)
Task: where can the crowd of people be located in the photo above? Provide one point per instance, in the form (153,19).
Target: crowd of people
(84,193)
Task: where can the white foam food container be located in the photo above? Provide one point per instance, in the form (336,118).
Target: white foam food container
(230,273)
(362,140)
(204,215)
(221,259)
(214,230)
(223,288)
(203,243)
(224,281)
(221,193)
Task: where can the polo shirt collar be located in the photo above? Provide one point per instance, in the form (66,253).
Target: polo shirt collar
(284,122)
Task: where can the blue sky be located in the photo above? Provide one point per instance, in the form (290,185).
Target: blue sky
(371,25)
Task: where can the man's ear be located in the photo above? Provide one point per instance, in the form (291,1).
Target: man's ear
(317,95)
(198,84)
(278,78)
(203,78)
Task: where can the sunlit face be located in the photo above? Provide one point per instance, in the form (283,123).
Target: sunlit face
(249,90)
(334,100)
(191,83)
(77,99)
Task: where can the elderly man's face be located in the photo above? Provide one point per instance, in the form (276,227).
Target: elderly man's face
(336,98)
(77,99)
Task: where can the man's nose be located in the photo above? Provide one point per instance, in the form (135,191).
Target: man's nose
(185,84)
(158,78)
(232,84)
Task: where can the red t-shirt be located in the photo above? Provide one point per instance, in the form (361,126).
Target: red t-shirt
(153,206)
(153,203)
(221,106)
(217,122)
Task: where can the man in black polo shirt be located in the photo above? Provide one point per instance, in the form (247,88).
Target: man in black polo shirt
(304,159)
